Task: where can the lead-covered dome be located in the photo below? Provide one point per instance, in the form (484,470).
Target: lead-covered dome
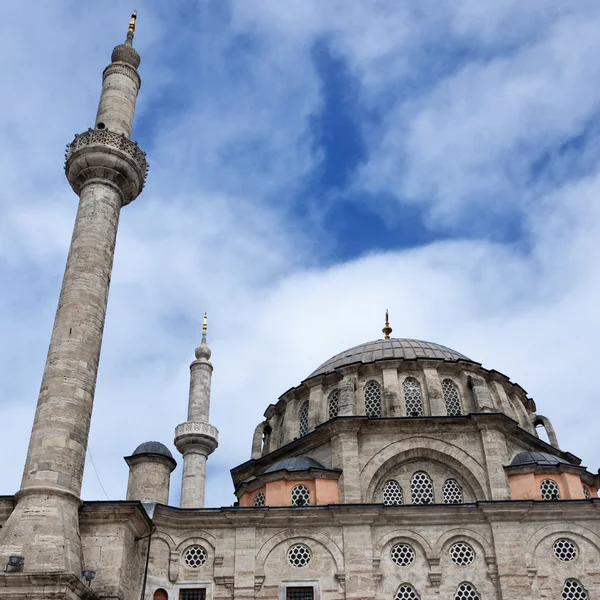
(153,448)
(295,463)
(394,348)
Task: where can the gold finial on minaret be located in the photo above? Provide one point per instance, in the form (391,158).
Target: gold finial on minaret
(204,328)
(387,329)
(132,21)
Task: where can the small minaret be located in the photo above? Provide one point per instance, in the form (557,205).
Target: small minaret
(195,438)
(107,171)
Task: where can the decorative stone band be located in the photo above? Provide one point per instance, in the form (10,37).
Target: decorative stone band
(124,69)
(100,154)
(191,435)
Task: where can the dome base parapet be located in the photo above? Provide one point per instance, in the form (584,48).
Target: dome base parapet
(100,154)
(194,436)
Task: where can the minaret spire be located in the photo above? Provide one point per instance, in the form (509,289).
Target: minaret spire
(131,29)
(196,439)
(107,171)
(387,329)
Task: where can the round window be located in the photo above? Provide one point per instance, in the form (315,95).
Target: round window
(195,556)
(299,555)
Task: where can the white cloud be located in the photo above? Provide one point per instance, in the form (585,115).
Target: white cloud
(212,231)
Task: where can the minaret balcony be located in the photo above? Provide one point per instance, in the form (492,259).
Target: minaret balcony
(192,435)
(100,154)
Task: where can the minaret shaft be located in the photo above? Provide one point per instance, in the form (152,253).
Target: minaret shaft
(196,439)
(106,170)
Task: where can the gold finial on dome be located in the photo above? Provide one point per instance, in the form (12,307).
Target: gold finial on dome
(132,21)
(387,329)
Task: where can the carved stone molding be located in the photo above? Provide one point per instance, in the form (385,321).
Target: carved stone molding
(258,582)
(341,579)
(226,582)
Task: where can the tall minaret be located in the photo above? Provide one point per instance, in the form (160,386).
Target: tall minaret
(195,438)
(107,171)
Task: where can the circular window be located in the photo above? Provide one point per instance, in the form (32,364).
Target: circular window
(195,556)
(406,592)
(299,555)
(300,495)
(462,554)
(402,555)
(565,550)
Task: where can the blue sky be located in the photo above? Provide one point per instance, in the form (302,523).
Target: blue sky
(312,164)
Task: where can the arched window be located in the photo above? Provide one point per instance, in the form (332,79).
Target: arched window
(466,591)
(333,404)
(573,590)
(406,592)
(452,492)
(160,594)
(372,399)
(421,488)
(259,499)
(586,492)
(392,493)
(300,495)
(412,398)
(451,398)
(303,419)
(549,490)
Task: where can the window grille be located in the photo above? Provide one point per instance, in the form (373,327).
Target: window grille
(412,398)
(373,399)
(462,554)
(192,594)
(299,593)
(549,489)
(298,555)
(406,592)
(565,550)
(300,495)
(333,405)
(466,591)
(402,555)
(259,499)
(586,492)
(573,590)
(303,430)
(421,488)
(195,556)
(392,493)
(452,492)
(451,398)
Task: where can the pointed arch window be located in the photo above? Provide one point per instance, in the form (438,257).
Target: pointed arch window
(406,592)
(451,398)
(421,488)
(413,398)
(392,493)
(466,591)
(452,492)
(573,590)
(303,420)
(373,399)
(549,490)
(333,404)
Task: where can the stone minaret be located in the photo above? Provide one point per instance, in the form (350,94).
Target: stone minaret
(195,438)
(107,171)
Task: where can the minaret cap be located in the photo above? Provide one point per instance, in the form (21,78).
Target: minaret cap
(203,351)
(387,329)
(126,52)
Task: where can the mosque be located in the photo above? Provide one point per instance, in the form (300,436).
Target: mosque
(397,470)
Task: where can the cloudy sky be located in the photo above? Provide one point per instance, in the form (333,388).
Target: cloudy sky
(313,162)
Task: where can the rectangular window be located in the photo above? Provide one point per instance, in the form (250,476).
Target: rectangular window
(199,594)
(299,593)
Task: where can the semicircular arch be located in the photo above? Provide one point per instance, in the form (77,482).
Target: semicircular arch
(190,538)
(462,534)
(418,448)
(563,528)
(301,534)
(402,535)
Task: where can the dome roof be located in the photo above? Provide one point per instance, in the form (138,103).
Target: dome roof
(153,448)
(394,348)
(539,459)
(296,463)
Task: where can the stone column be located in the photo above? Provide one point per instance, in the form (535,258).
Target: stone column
(316,404)
(433,385)
(358,560)
(107,170)
(345,457)
(481,392)
(347,401)
(496,456)
(392,406)
(195,438)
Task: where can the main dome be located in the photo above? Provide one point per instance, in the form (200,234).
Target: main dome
(394,348)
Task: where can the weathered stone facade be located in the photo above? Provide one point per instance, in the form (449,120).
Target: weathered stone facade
(398,470)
